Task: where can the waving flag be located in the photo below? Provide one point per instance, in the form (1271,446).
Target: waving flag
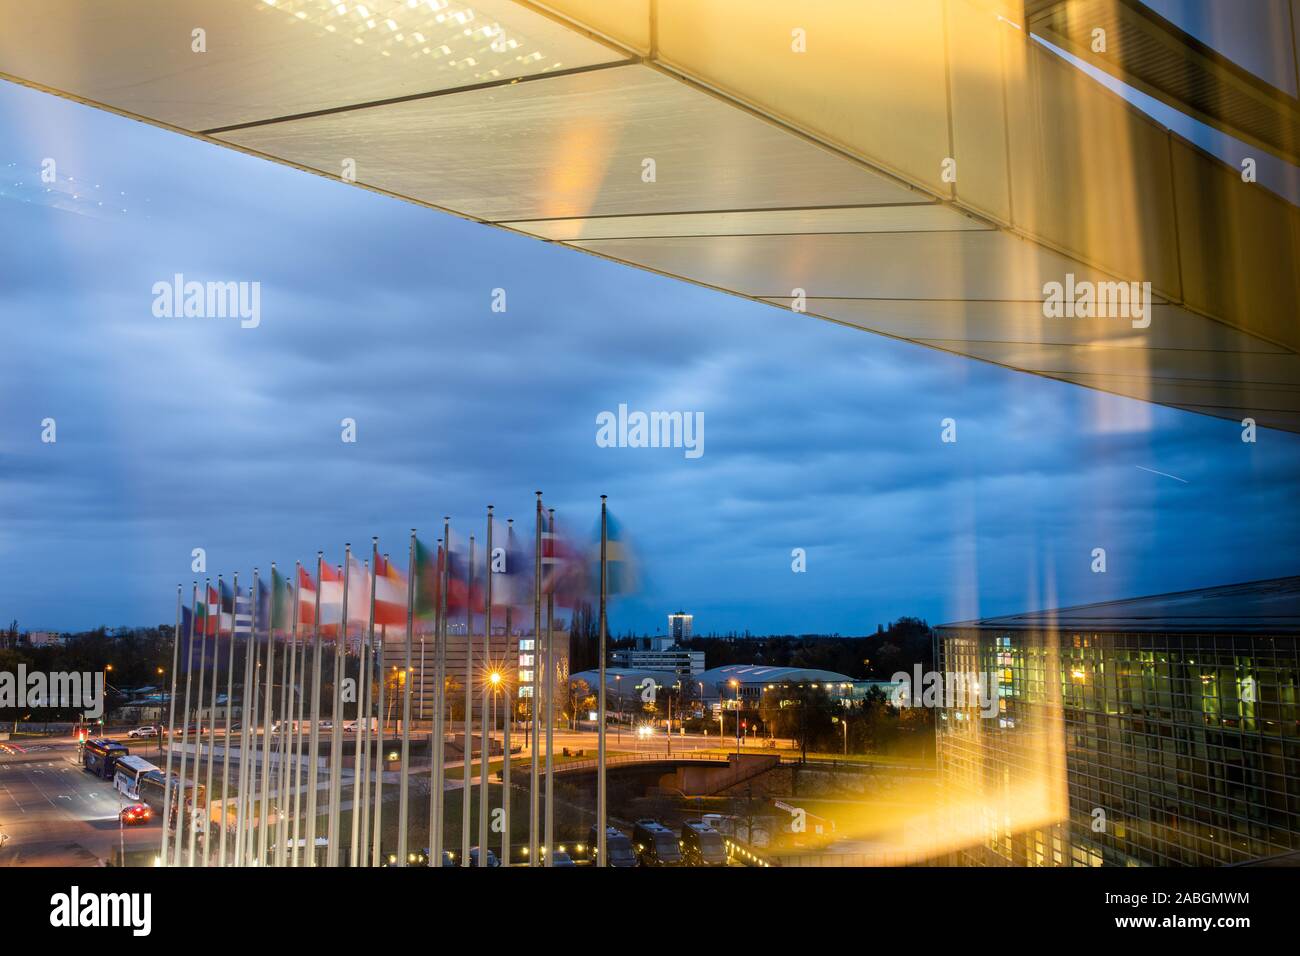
(512,580)
(281,602)
(621,571)
(428,580)
(457,551)
(564,569)
(359,592)
(306,598)
(390,593)
(331,599)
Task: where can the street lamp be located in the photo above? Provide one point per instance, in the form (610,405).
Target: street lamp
(618,690)
(736,684)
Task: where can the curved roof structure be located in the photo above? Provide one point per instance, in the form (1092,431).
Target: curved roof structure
(767,674)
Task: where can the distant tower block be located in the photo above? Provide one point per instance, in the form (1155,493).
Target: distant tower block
(679,626)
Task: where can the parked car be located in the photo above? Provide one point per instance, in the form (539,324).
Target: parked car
(562,858)
(148,730)
(491,857)
(137,814)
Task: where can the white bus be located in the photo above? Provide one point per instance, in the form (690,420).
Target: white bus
(129,772)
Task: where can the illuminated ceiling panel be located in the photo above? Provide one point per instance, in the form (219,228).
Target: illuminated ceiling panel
(266,59)
(575,146)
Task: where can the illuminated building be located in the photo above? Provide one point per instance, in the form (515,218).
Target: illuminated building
(1176,716)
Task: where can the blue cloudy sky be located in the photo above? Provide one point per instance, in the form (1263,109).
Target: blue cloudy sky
(182,433)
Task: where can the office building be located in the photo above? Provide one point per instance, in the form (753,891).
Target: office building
(1158,731)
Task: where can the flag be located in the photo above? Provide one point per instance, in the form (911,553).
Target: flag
(428,580)
(200,618)
(620,563)
(564,569)
(359,592)
(512,581)
(282,602)
(457,555)
(390,592)
(331,599)
(211,613)
(306,598)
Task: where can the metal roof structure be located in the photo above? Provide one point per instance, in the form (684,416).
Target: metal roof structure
(1270,607)
(924,170)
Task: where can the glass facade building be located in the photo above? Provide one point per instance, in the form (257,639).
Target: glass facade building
(1174,717)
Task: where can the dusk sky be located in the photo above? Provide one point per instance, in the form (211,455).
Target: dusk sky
(180,433)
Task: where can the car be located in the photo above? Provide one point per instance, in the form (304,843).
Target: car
(491,857)
(148,730)
(137,814)
(562,858)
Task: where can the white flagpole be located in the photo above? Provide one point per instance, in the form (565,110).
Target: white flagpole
(230,696)
(404,781)
(171,723)
(358,757)
(507,692)
(198,712)
(487,701)
(548,690)
(286,723)
(250,802)
(437,818)
(336,722)
(313,766)
(601,808)
(263,834)
(466,780)
(377,853)
(364,708)
(212,735)
(533,794)
(182,813)
(300,683)
(244,701)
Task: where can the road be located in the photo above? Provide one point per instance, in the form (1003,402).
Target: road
(57,814)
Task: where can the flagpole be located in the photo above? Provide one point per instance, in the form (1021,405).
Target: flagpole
(198,712)
(376,855)
(368,662)
(601,794)
(434,851)
(212,734)
(404,781)
(250,808)
(230,696)
(467,789)
(171,725)
(438,819)
(263,833)
(336,721)
(182,815)
(283,797)
(532,686)
(313,764)
(358,741)
(240,855)
(487,702)
(296,744)
(508,716)
(548,688)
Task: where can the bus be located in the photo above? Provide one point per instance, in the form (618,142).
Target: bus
(153,791)
(127,776)
(100,756)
